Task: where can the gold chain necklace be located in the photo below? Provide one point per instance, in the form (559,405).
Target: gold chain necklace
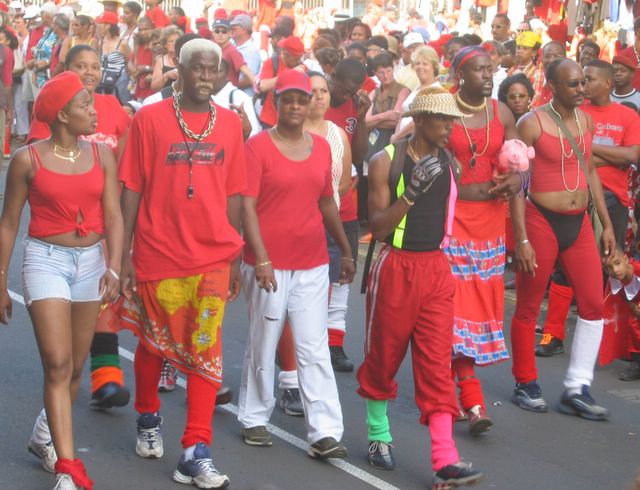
(581,142)
(472,145)
(72,153)
(469,107)
(295,147)
(413,153)
(635,51)
(183,124)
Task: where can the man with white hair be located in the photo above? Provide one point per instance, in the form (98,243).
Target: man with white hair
(183,170)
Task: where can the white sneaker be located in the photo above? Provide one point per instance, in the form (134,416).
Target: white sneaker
(65,482)
(149,439)
(199,470)
(45,453)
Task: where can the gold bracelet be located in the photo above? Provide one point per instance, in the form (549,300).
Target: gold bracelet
(348,259)
(408,201)
(263,264)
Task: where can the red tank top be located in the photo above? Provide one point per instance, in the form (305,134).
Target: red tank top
(482,170)
(61,203)
(546,171)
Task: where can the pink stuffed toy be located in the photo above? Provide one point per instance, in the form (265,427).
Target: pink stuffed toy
(513,157)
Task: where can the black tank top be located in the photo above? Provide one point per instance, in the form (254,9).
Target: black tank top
(425,222)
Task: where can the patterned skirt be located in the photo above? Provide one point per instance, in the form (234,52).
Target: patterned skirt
(178,319)
(476,254)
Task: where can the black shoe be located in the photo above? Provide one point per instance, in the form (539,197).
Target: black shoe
(549,346)
(108,396)
(632,372)
(327,447)
(224,395)
(380,455)
(583,405)
(455,475)
(528,396)
(291,403)
(339,359)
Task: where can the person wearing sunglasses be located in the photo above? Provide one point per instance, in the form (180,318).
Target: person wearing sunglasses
(233,57)
(551,226)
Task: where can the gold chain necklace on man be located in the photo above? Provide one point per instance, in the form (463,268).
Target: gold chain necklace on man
(413,153)
(72,153)
(469,107)
(581,143)
(294,147)
(635,51)
(186,132)
(472,145)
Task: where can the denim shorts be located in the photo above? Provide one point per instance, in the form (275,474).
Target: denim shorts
(56,272)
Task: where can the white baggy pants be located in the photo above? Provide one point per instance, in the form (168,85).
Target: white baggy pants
(302,298)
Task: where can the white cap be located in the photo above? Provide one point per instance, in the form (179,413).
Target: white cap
(15,5)
(49,8)
(68,11)
(31,12)
(412,38)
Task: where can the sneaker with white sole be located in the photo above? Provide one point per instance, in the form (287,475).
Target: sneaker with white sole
(199,470)
(456,475)
(46,453)
(149,439)
(168,378)
(65,482)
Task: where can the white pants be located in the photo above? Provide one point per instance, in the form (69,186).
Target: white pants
(20,111)
(302,298)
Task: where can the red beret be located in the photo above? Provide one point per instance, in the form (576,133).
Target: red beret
(55,94)
(107,18)
(293,45)
(625,60)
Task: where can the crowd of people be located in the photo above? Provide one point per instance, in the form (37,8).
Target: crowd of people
(168,167)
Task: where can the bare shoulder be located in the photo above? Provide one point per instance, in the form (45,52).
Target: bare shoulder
(529,127)
(105,155)
(379,166)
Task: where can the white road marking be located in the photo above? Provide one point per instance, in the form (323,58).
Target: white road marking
(352,470)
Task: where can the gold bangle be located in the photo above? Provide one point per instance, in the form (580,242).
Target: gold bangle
(408,201)
(263,264)
(348,259)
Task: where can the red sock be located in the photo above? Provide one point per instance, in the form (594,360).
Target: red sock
(469,385)
(560,298)
(147,367)
(201,401)
(336,337)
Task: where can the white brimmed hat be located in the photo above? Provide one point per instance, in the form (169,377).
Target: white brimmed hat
(434,100)
(31,12)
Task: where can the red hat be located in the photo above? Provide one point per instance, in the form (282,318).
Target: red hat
(4,7)
(558,32)
(107,17)
(293,45)
(201,20)
(293,80)
(220,14)
(625,60)
(55,94)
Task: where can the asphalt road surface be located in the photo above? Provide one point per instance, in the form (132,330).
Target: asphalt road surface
(524,451)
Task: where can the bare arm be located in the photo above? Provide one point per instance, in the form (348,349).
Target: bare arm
(252,235)
(345,177)
(16,192)
(234,208)
(249,75)
(130,204)
(360,143)
(617,156)
(157,78)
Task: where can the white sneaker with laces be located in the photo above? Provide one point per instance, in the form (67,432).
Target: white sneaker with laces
(65,482)
(149,440)
(168,378)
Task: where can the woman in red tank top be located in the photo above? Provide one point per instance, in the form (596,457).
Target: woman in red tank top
(73,192)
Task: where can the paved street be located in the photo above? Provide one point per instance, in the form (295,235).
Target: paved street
(523,451)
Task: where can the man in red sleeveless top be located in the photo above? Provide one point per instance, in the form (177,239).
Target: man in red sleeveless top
(551,226)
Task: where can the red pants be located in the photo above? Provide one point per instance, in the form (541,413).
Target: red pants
(581,264)
(201,396)
(410,300)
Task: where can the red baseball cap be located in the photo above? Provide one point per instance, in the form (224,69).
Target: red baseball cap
(55,94)
(293,80)
(293,45)
(220,13)
(107,18)
(625,60)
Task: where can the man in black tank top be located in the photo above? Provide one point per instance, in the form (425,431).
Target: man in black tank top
(412,189)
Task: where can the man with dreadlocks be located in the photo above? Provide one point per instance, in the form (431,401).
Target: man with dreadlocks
(477,248)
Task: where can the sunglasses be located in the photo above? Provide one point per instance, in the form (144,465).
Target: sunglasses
(575,83)
(220,31)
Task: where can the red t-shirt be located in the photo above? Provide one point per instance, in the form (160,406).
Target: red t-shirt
(34,37)
(269,115)
(369,84)
(144,57)
(235,60)
(614,125)
(177,236)
(287,192)
(346,117)
(113,122)
(630,53)
(159,18)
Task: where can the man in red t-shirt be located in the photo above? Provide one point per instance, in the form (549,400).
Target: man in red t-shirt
(290,56)
(233,57)
(616,143)
(156,14)
(183,170)
(633,52)
(348,107)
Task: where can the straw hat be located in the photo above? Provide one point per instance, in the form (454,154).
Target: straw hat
(434,100)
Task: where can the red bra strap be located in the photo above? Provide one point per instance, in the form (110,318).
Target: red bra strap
(35,158)
(538,118)
(96,154)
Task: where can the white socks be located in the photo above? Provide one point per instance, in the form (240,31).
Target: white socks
(584,352)
(188,452)
(288,380)
(338,299)
(41,433)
